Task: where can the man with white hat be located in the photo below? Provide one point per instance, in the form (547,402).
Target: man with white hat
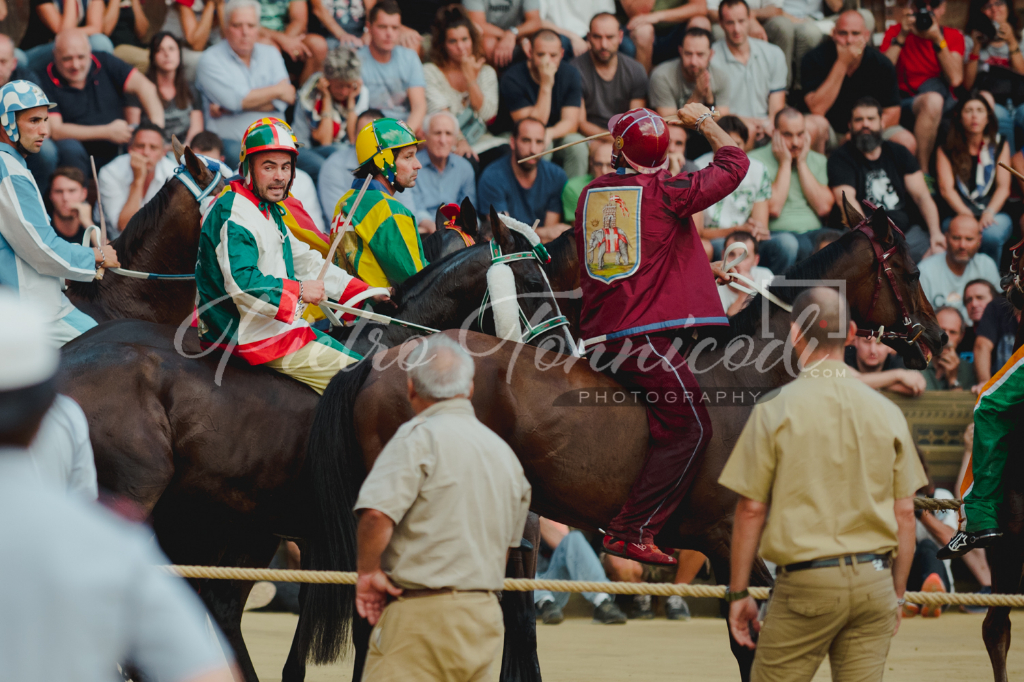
(85,592)
(33,259)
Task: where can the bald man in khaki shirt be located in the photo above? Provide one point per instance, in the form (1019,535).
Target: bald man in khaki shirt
(835,462)
(445,501)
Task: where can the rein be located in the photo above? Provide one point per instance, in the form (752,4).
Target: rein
(184,177)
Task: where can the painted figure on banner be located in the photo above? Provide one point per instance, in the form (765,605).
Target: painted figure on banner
(612,217)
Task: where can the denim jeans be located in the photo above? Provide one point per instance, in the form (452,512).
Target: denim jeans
(39,56)
(1010,118)
(993,237)
(573,559)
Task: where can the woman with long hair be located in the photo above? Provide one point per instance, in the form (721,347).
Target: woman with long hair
(995,62)
(970,178)
(459,80)
(183,113)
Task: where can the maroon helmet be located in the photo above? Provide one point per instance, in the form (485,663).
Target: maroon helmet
(640,136)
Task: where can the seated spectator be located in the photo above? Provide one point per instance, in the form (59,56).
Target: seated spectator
(947,370)
(927,572)
(126,24)
(326,108)
(528,191)
(887,175)
(677,161)
(131,180)
(445,178)
(458,80)
(284,24)
(754,70)
(571,21)
(210,146)
(600,164)
(612,82)
(878,366)
(70,211)
(341,22)
(549,90)
(241,80)
(183,107)
(678,82)
(928,65)
(47,18)
(800,197)
(392,74)
(196,24)
(566,555)
(995,339)
(970,179)
(90,90)
(734,300)
(766,23)
(993,59)
(336,173)
(978,293)
(841,71)
(657,32)
(944,275)
(502,23)
(802,16)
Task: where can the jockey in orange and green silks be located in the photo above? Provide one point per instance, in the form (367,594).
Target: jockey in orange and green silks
(997,412)
(383,245)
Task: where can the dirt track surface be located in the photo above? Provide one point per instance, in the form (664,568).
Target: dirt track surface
(949,648)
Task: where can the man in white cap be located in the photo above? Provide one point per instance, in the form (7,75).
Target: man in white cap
(85,592)
(34,261)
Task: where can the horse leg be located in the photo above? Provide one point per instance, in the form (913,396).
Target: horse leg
(295,667)
(1007,562)
(361,630)
(519,657)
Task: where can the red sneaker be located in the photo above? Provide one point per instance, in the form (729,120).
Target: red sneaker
(614,546)
(649,554)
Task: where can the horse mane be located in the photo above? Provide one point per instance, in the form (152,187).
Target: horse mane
(563,254)
(145,220)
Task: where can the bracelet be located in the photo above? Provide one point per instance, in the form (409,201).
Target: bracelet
(731,596)
(1015,50)
(898,43)
(696,126)
(900,602)
(301,286)
(975,57)
(942,45)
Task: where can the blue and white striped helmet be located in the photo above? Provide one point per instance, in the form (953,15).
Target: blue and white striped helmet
(17,96)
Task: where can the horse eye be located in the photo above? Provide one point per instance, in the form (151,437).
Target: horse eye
(912,277)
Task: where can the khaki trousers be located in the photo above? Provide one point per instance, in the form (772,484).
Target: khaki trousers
(847,612)
(444,638)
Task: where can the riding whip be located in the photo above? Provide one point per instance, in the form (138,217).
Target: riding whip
(102,239)
(348,307)
(1012,171)
(674,119)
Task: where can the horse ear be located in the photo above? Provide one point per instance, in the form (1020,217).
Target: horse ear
(196,167)
(467,219)
(500,232)
(851,217)
(880,226)
(178,150)
(439,219)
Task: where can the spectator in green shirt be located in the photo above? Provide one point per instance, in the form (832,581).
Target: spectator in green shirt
(801,198)
(600,164)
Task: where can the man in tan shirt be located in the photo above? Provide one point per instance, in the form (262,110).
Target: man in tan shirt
(835,463)
(443,504)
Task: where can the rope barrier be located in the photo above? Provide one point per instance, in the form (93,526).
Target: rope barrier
(526,585)
(930,504)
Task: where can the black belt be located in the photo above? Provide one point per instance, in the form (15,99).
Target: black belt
(839,561)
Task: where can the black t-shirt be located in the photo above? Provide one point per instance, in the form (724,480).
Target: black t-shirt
(74,239)
(124,29)
(998,324)
(875,77)
(37,32)
(519,90)
(419,15)
(606,98)
(100,102)
(879,181)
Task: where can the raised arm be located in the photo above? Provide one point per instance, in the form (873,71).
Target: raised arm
(197,32)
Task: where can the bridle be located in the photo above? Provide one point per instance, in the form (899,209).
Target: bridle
(1015,265)
(911,330)
(539,254)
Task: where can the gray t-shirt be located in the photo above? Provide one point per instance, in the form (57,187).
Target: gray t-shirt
(502,13)
(389,83)
(669,89)
(604,98)
(750,84)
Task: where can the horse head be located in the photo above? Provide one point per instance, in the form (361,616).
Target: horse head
(884,292)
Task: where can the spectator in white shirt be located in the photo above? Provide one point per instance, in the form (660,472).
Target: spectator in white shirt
(733,299)
(131,180)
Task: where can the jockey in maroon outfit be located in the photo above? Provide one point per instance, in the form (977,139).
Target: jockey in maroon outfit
(665,288)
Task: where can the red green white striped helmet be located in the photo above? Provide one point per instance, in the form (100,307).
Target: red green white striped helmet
(266,135)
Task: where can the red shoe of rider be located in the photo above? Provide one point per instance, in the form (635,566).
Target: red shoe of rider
(644,553)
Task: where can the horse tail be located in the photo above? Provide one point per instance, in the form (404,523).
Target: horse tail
(335,469)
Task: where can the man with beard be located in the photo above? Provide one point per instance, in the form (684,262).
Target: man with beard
(687,79)
(612,82)
(252,272)
(887,175)
(944,276)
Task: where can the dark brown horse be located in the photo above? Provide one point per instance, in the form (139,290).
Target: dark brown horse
(214,450)
(161,238)
(582,453)
(1006,558)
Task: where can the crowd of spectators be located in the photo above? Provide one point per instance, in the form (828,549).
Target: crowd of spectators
(916,116)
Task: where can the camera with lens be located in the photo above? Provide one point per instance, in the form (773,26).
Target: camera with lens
(923,17)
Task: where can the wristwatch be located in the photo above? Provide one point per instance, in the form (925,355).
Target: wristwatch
(731,596)
(514,31)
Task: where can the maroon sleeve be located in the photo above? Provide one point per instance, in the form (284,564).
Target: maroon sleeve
(689,193)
